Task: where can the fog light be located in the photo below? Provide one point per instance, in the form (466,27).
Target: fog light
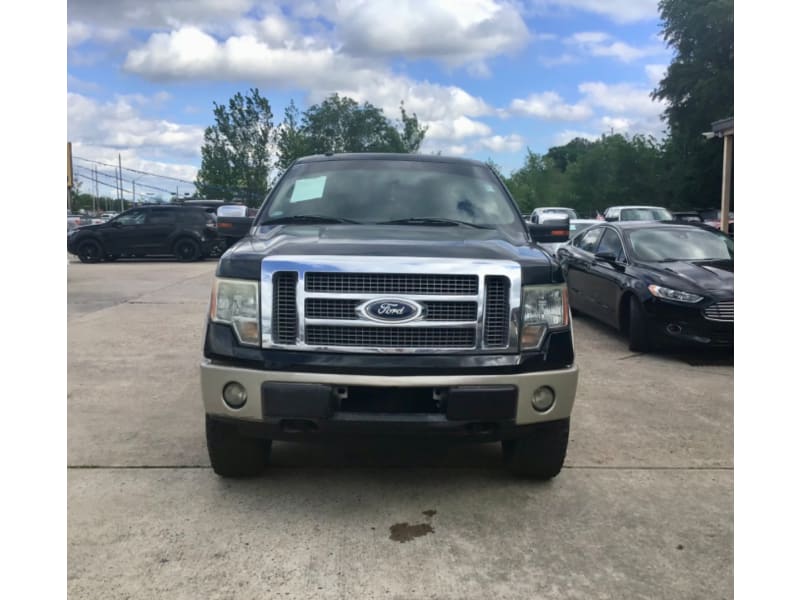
(234,394)
(543,398)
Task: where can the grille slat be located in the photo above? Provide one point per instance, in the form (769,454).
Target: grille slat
(721,311)
(451,311)
(390,337)
(495,327)
(393,283)
(331,308)
(284,302)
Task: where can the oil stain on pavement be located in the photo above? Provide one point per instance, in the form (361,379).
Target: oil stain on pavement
(403,532)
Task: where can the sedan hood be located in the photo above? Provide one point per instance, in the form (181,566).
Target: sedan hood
(715,276)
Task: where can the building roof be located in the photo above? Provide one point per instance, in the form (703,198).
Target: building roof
(723,126)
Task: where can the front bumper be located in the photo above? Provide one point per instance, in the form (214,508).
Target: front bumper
(291,405)
(686,325)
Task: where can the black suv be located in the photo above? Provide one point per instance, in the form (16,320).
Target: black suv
(188,233)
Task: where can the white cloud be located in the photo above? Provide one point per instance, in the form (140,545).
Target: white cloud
(503,143)
(655,73)
(598,43)
(453,31)
(619,11)
(550,106)
(621,98)
(616,124)
(566,136)
(456,129)
(118,125)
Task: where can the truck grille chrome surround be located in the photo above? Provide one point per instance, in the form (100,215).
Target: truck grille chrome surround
(316,303)
(721,311)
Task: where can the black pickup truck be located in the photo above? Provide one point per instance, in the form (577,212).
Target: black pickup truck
(383,294)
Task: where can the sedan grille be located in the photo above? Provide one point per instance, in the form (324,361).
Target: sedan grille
(721,311)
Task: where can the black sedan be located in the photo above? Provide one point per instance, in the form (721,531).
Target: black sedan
(658,282)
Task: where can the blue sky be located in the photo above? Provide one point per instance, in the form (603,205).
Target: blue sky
(490,78)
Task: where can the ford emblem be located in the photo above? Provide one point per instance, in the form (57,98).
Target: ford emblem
(391,310)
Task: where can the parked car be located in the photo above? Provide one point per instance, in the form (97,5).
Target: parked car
(232,221)
(389,294)
(575,227)
(657,282)
(551,213)
(184,232)
(713,217)
(637,213)
(690,216)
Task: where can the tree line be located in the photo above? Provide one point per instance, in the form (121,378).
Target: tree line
(244,152)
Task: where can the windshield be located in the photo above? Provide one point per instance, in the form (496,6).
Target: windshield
(378,191)
(645,214)
(680,244)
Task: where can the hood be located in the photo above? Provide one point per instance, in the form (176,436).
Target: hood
(384,240)
(714,276)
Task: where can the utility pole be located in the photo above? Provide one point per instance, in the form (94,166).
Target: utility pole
(133,183)
(121,192)
(69,176)
(94,203)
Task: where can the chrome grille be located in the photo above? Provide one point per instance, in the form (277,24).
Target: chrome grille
(391,337)
(721,311)
(284,313)
(315,303)
(394,283)
(331,308)
(495,328)
(345,309)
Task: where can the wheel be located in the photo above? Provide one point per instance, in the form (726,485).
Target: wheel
(187,250)
(539,455)
(232,454)
(638,337)
(90,251)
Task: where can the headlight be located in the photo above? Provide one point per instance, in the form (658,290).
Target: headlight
(676,295)
(543,307)
(235,302)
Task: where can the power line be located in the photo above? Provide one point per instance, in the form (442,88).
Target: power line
(145,185)
(135,170)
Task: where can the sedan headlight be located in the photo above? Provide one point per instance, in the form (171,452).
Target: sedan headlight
(235,303)
(676,295)
(543,307)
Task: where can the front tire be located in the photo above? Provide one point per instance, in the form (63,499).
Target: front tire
(90,251)
(638,335)
(187,250)
(232,454)
(541,454)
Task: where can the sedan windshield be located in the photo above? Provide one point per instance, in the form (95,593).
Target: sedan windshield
(403,192)
(668,244)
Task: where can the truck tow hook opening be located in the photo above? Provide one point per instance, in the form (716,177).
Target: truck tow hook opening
(298,426)
(481,428)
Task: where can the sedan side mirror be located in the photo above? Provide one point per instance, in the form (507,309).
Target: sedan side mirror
(550,232)
(610,258)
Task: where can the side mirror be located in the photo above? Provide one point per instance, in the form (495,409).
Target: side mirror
(550,232)
(610,258)
(606,256)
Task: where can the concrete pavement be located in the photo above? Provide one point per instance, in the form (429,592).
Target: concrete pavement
(644,508)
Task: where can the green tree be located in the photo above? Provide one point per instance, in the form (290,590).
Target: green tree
(340,124)
(698,89)
(236,160)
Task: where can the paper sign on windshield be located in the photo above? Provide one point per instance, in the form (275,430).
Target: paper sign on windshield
(308,189)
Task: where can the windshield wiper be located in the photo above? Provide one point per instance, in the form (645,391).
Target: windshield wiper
(432,221)
(307,219)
